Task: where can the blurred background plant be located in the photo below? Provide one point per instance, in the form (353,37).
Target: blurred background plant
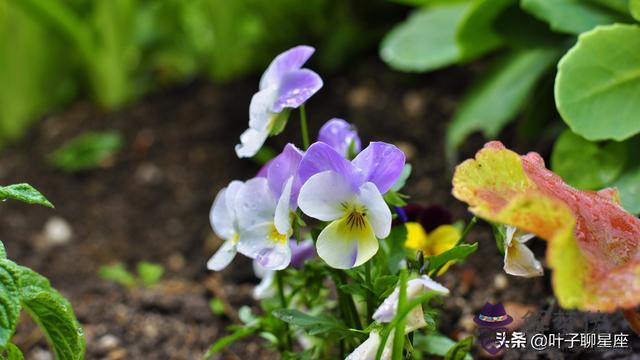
(574,60)
(55,51)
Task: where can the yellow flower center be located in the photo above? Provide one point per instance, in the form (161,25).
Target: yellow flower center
(276,236)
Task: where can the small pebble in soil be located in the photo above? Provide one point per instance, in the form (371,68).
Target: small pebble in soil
(40,354)
(500,282)
(57,231)
(176,262)
(107,343)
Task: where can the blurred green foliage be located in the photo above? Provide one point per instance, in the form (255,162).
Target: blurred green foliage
(53,51)
(87,151)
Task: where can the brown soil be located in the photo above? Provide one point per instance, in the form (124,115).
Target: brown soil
(151,202)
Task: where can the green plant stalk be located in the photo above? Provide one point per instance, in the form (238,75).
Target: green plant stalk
(283,302)
(370,301)
(401,314)
(345,301)
(398,339)
(303,127)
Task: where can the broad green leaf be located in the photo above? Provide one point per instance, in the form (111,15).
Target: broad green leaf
(500,95)
(53,313)
(570,16)
(9,301)
(460,350)
(457,253)
(313,325)
(149,273)
(3,251)
(11,352)
(394,199)
(475,34)
(587,165)
(25,193)
(434,344)
(425,41)
(634,9)
(628,185)
(597,88)
(86,151)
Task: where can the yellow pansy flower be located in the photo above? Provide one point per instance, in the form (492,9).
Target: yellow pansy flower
(441,239)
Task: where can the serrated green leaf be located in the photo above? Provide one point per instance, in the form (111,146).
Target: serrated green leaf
(570,16)
(87,151)
(25,193)
(587,165)
(425,41)
(313,325)
(475,34)
(460,350)
(53,313)
(634,9)
(500,95)
(3,251)
(598,82)
(457,253)
(11,352)
(9,301)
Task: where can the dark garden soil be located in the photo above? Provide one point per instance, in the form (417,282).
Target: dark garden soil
(151,202)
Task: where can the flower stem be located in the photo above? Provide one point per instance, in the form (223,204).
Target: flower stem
(283,303)
(303,127)
(398,339)
(370,299)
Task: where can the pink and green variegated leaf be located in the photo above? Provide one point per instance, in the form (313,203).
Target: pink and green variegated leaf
(594,245)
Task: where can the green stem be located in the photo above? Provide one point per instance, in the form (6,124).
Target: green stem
(370,300)
(345,301)
(283,303)
(398,339)
(303,127)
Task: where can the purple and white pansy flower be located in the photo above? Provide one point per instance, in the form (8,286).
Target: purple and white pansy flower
(348,195)
(341,136)
(284,85)
(224,221)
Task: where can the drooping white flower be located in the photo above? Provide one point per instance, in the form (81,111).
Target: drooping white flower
(519,260)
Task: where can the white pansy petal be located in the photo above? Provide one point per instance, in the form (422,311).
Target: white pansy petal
(265,289)
(283,217)
(232,193)
(222,257)
(415,319)
(509,234)
(322,196)
(378,213)
(387,310)
(430,284)
(343,246)
(519,260)
(251,141)
(522,239)
(260,115)
(415,287)
(263,243)
(368,349)
(222,217)
(255,203)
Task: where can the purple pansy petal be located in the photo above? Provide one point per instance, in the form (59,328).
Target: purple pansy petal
(295,88)
(282,167)
(290,60)
(322,157)
(339,134)
(263,170)
(301,252)
(381,164)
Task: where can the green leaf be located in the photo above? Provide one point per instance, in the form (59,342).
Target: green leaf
(313,325)
(500,235)
(402,180)
(9,301)
(587,165)
(570,16)
(225,341)
(425,41)
(634,9)
(394,199)
(434,344)
(460,350)
(3,251)
(598,83)
(397,252)
(476,34)
(216,306)
(149,273)
(11,352)
(280,121)
(87,151)
(628,185)
(500,95)
(25,193)
(53,313)
(117,273)
(457,253)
